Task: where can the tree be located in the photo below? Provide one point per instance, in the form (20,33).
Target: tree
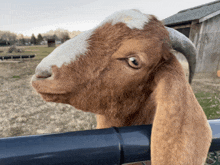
(55,37)
(33,39)
(39,38)
(65,37)
(22,41)
(8,36)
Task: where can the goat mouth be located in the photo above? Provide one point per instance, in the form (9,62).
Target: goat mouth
(58,98)
(46,86)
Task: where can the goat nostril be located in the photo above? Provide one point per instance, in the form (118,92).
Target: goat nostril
(45,76)
(42,74)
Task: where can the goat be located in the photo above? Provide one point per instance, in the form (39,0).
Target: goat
(123,71)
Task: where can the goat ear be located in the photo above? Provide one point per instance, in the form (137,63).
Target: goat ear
(180,132)
(166,51)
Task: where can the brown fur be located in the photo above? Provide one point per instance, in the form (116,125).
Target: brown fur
(102,82)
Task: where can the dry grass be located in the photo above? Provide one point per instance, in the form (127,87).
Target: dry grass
(40,51)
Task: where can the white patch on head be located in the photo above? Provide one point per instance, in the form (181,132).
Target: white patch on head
(78,45)
(132,18)
(65,53)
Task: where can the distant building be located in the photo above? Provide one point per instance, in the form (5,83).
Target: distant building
(202,25)
(44,42)
(58,42)
(51,43)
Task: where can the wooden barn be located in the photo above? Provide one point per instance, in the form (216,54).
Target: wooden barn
(51,43)
(202,25)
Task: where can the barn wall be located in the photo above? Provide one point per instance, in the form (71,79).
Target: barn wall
(185,31)
(193,35)
(207,41)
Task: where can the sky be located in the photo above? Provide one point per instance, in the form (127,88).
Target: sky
(33,17)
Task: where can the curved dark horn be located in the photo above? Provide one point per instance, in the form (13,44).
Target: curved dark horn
(185,46)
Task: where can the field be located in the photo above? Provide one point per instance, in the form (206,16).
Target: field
(41,51)
(23,111)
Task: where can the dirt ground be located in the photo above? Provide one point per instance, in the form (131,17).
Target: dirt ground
(23,111)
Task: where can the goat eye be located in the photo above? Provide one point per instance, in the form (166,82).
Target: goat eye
(134,62)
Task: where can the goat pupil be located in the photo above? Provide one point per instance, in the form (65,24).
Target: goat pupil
(134,61)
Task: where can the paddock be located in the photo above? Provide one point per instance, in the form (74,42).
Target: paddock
(23,112)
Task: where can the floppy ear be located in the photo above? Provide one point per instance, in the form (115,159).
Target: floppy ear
(180,134)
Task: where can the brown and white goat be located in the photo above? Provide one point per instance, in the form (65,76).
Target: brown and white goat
(123,71)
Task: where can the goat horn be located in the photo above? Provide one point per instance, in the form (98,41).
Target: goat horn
(185,46)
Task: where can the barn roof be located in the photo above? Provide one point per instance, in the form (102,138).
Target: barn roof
(207,10)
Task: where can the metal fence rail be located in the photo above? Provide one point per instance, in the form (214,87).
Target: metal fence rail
(103,146)
(16,57)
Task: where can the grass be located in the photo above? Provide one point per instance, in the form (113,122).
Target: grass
(210,103)
(16,77)
(41,51)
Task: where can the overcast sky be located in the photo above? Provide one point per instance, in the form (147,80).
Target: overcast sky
(40,16)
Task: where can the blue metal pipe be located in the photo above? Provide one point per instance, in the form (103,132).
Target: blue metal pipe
(103,146)
(215,125)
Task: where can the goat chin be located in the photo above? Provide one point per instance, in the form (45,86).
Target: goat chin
(123,70)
